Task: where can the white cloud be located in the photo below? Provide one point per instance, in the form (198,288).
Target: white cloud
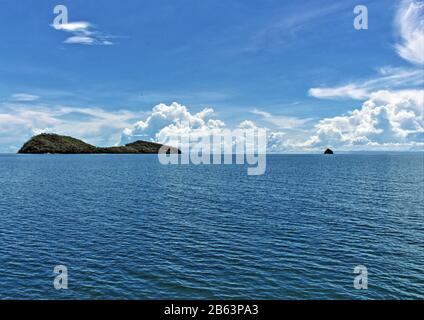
(281,122)
(389,78)
(348,91)
(79,40)
(171,120)
(81,26)
(410,21)
(83,32)
(24,97)
(168,124)
(388,120)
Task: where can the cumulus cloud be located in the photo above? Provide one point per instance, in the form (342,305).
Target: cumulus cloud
(410,22)
(172,120)
(388,120)
(169,124)
(83,32)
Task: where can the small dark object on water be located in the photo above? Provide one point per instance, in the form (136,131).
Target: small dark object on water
(328,151)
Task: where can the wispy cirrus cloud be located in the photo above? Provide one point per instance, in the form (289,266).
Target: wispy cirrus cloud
(283,28)
(24,97)
(409,20)
(281,122)
(18,122)
(84,33)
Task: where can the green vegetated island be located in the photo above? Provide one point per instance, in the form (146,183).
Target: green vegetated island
(54,143)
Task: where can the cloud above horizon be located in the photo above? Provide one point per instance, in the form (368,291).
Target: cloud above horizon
(18,122)
(389,120)
(167,121)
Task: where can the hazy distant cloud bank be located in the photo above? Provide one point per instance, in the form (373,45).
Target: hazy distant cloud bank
(386,121)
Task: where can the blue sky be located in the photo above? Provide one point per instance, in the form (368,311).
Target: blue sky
(293,67)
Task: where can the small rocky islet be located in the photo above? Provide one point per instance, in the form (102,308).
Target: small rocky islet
(57,144)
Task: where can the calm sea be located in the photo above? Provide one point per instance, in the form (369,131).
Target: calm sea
(127,227)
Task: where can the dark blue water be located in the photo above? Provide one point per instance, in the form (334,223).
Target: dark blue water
(128,227)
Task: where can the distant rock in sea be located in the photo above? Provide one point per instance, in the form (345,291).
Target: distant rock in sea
(328,151)
(53,143)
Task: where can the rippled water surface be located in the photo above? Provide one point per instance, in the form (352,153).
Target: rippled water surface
(128,227)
